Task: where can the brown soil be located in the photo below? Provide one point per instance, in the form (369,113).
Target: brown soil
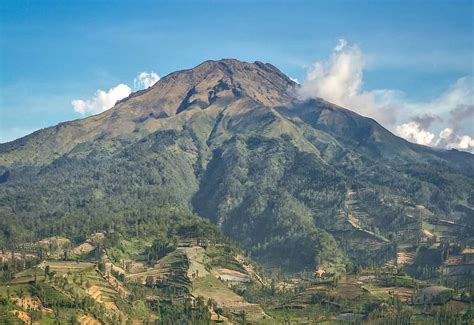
(88,320)
(231,275)
(83,248)
(23,316)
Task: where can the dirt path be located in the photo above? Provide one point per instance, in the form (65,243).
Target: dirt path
(428,233)
(354,222)
(114,267)
(250,270)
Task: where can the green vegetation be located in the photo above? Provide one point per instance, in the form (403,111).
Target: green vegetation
(226,161)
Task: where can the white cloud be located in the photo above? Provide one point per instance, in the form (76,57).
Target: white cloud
(413,132)
(341,45)
(449,139)
(452,101)
(456,105)
(465,142)
(340,80)
(145,80)
(102,100)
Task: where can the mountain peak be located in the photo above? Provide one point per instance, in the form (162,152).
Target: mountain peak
(211,81)
(234,67)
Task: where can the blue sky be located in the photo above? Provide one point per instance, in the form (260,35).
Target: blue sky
(53,52)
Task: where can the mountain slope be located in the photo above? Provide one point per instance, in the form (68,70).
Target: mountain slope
(231,141)
(209,85)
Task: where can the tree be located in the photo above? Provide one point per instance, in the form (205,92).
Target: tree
(243,317)
(101,266)
(219,312)
(150,281)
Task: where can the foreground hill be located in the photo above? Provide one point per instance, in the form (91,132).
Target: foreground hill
(298,184)
(198,278)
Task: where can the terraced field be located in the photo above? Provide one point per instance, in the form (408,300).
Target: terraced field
(405,294)
(196,257)
(172,271)
(213,272)
(211,284)
(210,287)
(63,267)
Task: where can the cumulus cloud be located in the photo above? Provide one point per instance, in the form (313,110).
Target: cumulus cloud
(449,139)
(340,80)
(145,80)
(102,100)
(412,131)
(457,105)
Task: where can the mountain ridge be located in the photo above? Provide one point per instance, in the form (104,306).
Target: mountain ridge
(231,141)
(185,98)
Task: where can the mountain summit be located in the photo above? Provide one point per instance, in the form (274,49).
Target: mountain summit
(209,85)
(212,81)
(230,141)
(206,90)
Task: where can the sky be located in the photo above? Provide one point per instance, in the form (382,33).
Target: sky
(408,64)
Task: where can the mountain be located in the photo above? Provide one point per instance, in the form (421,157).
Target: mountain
(300,185)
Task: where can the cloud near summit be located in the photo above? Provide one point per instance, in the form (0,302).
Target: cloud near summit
(103,100)
(145,80)
(340,81)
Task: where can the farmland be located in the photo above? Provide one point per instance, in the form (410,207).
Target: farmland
(108,280)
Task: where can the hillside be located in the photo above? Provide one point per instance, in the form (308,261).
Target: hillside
(230,141)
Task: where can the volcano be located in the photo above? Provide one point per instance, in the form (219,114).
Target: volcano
(299,184)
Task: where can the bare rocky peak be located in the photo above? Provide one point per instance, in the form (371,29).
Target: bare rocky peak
(212,81)
(212,84)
